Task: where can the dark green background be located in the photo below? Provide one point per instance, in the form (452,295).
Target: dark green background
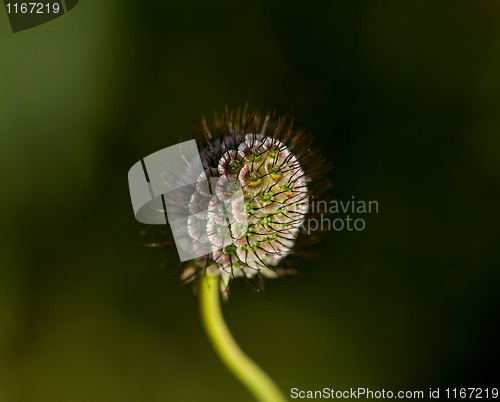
(403,97)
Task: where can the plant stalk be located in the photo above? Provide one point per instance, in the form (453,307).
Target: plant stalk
(250,374)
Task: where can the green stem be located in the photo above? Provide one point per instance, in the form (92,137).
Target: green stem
(251,375)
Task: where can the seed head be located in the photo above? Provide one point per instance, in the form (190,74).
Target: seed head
(261,174)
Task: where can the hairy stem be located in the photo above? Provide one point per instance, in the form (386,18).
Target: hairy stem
(251,375)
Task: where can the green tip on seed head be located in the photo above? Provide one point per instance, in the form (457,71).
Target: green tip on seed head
(274,150)
(254,154)
(265,222)
(288,188)
(254,178)
(267,197)
(229,249)
(271,237)
(233,166)
(282,209)
(275,172)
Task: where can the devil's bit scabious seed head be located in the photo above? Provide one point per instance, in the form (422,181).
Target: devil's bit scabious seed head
(262,174)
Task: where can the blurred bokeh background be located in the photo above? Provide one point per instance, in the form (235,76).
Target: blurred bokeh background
(403,97)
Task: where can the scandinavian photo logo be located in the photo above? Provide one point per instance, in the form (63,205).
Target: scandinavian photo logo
(338,215)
